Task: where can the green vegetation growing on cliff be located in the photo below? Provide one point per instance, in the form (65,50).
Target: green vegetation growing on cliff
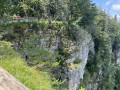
(103,65)
(66,22)
(11,61)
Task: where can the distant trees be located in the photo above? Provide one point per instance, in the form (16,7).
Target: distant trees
(76,16)
(115,17)
(84,9)
(54,9)
(4,7)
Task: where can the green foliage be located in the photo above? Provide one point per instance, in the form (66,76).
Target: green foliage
(84,9)
(92,66)
(86,79)
(34,52)
(103,57)
(77,61)
(117,79)
(58,83)
(66,19)
(20,31)
(5,7)
(14,64)
(73,66)
(93,29)
(82,88)
(56,64)
(104,31)
(5,50)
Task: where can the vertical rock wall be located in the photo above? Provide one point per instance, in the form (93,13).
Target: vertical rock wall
(50,40)
(76,74)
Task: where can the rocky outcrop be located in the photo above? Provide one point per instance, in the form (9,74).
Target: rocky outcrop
(8,82)
(79,49)
(83,49)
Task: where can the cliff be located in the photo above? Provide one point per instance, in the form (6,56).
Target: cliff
(75,57)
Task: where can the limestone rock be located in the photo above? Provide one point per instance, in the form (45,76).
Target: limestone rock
(8,82)
(83,49)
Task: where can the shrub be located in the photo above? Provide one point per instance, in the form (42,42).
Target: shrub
(77,61)
(32,49)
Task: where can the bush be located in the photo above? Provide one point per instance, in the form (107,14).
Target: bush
(6,49)
(34,52)
(77,61)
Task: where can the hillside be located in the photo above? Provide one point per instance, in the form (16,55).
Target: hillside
(11,61)
(68,45)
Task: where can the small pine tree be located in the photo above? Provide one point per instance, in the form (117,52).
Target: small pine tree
(115,17)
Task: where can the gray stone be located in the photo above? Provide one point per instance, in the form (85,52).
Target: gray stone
(8,82)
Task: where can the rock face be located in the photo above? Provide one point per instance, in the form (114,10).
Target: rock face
(79,49)
(8,82)
(76,74)
(118,57)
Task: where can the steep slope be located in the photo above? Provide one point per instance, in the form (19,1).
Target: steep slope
(14,64)
(80,58)
(73,54)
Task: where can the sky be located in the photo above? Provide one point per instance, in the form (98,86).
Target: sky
(113,6)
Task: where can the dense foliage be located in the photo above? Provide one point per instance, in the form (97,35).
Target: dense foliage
(69,18)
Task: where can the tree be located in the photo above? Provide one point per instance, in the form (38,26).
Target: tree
(115,17)
(84,9)
(4,7)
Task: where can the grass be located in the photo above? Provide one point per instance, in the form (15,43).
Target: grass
(14,64)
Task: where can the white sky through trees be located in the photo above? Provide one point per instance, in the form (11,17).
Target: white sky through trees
(112,6)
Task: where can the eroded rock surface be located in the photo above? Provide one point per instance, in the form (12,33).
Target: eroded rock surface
(77,49)
(8,82)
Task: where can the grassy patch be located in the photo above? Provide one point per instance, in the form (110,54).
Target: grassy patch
(33,79)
